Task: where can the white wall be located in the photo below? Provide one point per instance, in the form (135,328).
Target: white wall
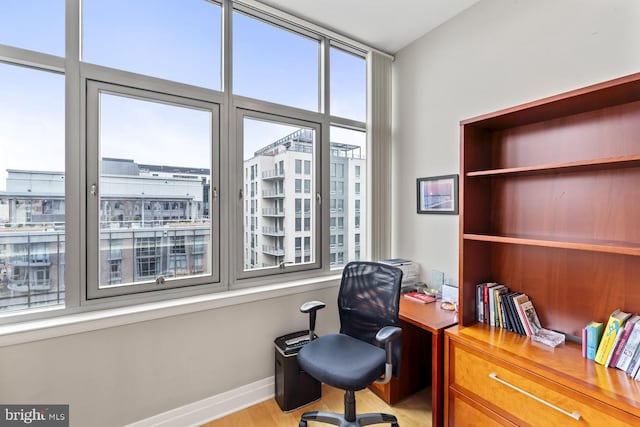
(112,377)
(497,54)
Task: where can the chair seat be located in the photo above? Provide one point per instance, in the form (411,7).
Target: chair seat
(342,361)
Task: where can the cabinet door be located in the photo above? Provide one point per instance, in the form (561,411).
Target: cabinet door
(524,398)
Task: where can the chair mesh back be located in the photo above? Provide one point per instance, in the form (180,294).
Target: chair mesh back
(368,300)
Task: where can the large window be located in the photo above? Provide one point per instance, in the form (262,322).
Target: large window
(348,85)
(33,24)
(349,162)
(131,135)
(174,39)
(275,150)
(274,64)
(32,232)
(153,177)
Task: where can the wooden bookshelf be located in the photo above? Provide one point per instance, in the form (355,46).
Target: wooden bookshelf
(549,206)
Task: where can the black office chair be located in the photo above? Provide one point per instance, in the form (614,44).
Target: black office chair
(367,349)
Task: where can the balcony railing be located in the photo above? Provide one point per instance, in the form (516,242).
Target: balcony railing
(272,212)
(273,193)
(273,231)
(273,174)
(272,250)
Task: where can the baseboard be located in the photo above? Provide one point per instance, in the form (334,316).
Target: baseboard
(214,407)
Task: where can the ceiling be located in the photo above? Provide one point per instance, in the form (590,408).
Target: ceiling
(385,25)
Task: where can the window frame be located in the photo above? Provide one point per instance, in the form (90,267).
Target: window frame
(243,278)
(93,289)
(78,74)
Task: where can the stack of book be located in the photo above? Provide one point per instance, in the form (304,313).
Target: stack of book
(409,271)
(497,306)
(615,344)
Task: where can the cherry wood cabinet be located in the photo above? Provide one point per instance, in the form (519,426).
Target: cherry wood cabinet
(549,202)
(415,372)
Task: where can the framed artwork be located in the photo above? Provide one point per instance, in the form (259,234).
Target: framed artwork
(438,195)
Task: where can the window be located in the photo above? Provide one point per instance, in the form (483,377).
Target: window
(348,85)
(179,40)
(287,76)
(277,147)
(32,230)
(136,131)
(357,187)
(34,24)
(145,99)
(147,257)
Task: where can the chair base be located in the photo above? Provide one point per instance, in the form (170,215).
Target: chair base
(349,418)
(339,419)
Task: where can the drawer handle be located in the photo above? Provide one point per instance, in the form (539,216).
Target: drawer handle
(573,415)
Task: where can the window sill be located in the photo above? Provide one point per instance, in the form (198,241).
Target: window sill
(36,330)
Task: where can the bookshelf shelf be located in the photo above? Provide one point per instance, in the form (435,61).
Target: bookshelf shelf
(577,166)
(612,247)
(549,198)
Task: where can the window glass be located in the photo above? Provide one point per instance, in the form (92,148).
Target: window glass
(32,188)
(173,39)
(274,149)
(348,85)
(348,157)
(154,193)
(274,64)
(33,24)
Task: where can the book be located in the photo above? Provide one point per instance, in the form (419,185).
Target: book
(531,316)
(499,309)
(517,323)
(507,310)
(419,297)
(635,363)
(517,303)
(493,312)
(514,321)
(594,335)
(479,305)
(621,340)
(486,300)
(629,349)
(616,320)
(583,336)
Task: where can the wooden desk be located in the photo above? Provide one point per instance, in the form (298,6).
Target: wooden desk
(432,318)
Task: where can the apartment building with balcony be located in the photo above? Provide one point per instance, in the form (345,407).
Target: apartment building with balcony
(280,193)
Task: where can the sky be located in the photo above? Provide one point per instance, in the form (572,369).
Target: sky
(171,39)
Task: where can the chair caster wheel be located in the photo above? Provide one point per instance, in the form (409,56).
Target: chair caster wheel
(303,423)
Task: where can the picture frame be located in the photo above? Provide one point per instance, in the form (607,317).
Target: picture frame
(437,195)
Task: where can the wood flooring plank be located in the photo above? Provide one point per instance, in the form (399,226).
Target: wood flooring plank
(414,411)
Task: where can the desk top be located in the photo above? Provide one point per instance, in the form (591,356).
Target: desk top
(427,316)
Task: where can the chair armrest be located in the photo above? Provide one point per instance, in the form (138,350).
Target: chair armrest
(387,336)
(388,333)
(312,307)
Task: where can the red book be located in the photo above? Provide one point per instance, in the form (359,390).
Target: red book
(419,297)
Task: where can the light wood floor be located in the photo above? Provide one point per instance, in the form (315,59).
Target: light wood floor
(414,411)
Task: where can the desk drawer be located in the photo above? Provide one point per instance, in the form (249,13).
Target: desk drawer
(465,412)
(519,395)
